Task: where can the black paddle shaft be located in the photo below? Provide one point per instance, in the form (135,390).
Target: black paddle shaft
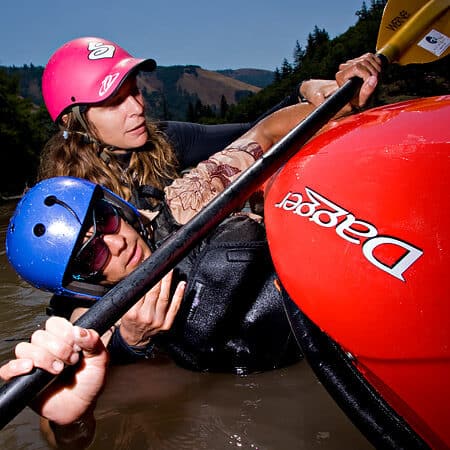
(19,392)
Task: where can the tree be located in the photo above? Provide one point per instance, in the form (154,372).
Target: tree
(322,56)
(277,75)
(299,54)
(316,39)
(223,106)
(190,114)
(24,128)
(363,12)
(286,68)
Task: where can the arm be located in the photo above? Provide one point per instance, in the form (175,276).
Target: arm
(277,125)
(271,129)
(310,91)
(195,142)
(189,194)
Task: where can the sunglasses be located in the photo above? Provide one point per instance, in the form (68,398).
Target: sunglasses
(93,255)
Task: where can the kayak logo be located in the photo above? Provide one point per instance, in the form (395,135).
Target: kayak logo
(393,256)
(107,82)
(99,50)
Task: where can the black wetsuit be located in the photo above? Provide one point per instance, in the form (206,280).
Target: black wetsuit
(232,317)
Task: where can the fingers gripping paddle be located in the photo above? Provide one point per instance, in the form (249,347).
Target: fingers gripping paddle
(17,394)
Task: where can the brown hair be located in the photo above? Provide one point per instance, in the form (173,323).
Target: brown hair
(73,152)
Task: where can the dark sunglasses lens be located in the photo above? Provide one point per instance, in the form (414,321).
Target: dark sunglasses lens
(94,254)
(93,257)
(106,218)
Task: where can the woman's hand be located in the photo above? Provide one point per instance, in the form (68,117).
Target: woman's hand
(316,91)
(367,67)
(59,344)
(155,312)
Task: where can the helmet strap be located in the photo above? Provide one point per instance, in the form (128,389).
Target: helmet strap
(104,156)
(79,116)
(77,112)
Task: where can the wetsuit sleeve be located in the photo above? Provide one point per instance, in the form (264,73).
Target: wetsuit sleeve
(195,142)
(122,353)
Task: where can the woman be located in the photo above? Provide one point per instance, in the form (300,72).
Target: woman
(87,72)
(81,239)
(90,90)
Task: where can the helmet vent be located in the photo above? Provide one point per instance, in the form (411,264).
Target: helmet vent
(39,229)
(72,98)
(50,200)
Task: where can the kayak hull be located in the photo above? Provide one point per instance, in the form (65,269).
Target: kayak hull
(359,233)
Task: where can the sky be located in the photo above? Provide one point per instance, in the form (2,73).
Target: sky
(231,34)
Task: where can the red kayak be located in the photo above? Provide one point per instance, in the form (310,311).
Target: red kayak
(359,230)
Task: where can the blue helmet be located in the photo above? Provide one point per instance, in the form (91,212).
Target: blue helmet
(48,227)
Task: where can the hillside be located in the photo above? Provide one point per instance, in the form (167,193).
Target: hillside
(256,77)
(169,91)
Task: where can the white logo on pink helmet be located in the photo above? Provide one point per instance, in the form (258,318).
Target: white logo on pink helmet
(107,83)
(99,50)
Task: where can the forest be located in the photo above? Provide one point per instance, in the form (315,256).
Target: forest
(25,125)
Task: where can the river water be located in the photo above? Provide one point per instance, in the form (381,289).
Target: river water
(161,406)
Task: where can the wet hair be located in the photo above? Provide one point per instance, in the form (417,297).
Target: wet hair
(74,151)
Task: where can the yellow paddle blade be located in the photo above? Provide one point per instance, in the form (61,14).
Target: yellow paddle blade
(415,31)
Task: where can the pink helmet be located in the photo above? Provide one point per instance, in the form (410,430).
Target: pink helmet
(86,71)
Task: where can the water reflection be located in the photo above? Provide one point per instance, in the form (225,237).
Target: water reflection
(160,406)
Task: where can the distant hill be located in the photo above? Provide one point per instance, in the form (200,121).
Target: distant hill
(256,77)
(168,91)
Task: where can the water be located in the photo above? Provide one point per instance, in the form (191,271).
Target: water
(161,406)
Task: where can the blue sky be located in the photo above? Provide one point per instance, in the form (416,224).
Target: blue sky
(214,35)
